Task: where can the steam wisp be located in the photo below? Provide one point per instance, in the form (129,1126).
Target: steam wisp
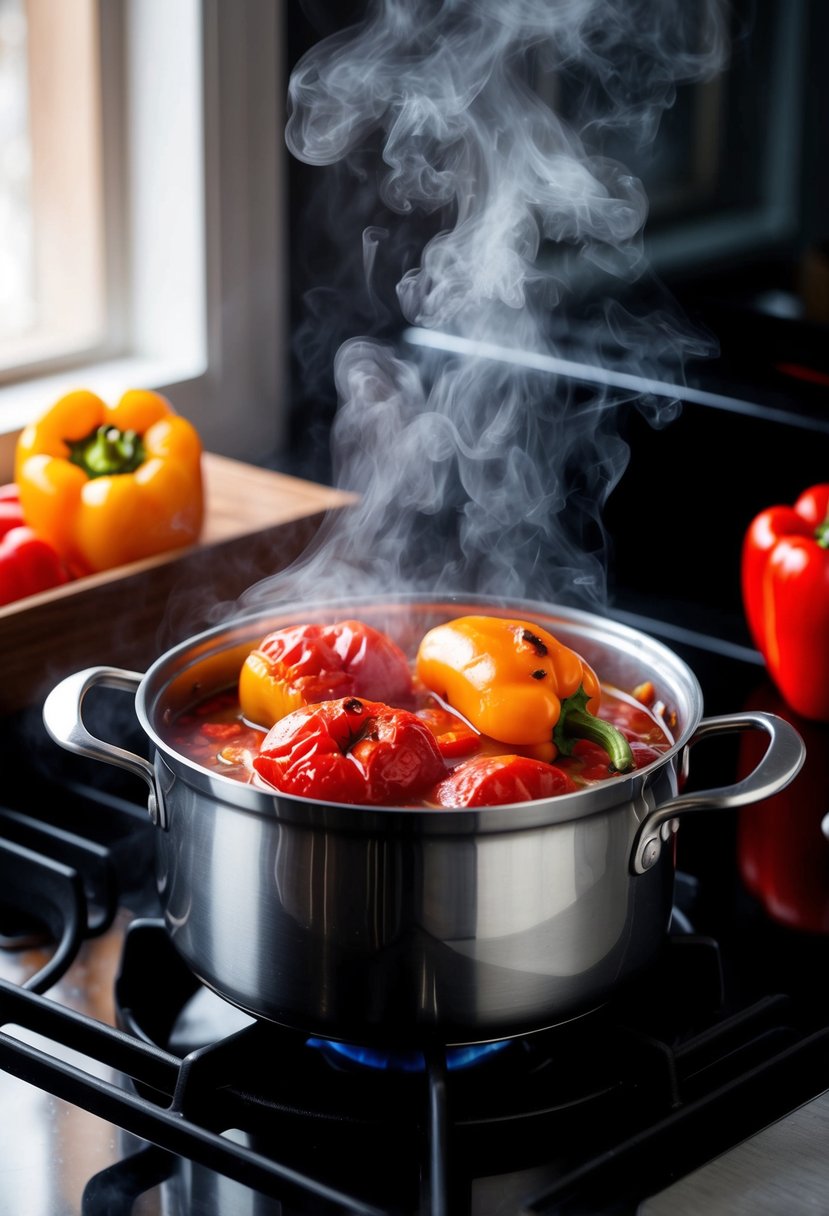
(481,474)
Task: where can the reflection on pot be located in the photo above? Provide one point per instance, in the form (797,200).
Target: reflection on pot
(783,855)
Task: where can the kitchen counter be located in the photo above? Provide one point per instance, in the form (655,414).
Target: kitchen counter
(257,522)
(783,1169)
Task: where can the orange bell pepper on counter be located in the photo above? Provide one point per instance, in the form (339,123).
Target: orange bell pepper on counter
(106,485)
(518,684)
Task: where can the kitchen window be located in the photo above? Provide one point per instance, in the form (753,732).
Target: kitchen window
(51,217)
(140,194)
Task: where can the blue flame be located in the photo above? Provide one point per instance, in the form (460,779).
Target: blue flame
(406,1061)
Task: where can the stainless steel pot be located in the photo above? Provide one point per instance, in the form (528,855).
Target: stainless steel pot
(394,925)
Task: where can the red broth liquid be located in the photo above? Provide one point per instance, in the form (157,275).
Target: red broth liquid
(214,735)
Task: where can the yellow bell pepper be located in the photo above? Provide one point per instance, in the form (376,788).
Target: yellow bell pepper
(518,684)
(111,484)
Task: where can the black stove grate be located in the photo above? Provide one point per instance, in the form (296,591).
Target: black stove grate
(646,1084)
(89,860)
(61,915)
(790,1068)
(182,1104)
(162,1119)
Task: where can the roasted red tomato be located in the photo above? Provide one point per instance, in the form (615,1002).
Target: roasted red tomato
(351,750)
(454,736)
(307,664)
(495,780)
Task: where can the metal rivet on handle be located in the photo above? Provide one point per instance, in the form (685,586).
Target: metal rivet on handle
(649,852)
(156,809)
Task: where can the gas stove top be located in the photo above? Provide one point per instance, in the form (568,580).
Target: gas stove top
(128,1087)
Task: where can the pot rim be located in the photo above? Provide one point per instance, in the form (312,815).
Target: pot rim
(244,629)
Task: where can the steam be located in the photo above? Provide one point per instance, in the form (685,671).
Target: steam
(478,474)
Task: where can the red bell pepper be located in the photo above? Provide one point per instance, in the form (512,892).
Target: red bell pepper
(28,564)
(785,586)
(496,780)
(353,751)
(11,512)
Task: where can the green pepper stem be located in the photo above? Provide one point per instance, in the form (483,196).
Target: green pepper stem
(822,534)
(576,722)
(107,451)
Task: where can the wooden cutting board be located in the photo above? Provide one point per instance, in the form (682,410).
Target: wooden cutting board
(256,523)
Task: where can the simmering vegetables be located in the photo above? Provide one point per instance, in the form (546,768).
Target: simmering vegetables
(306,664)
(495,780)
(423,743)
(518,684)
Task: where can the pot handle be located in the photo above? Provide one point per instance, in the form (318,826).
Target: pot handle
(779,765)
(63,719)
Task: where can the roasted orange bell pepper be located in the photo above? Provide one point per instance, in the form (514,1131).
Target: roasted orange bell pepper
(107,485)
(518,684)
(306,664)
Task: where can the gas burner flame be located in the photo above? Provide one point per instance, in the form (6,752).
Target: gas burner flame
(392,1060)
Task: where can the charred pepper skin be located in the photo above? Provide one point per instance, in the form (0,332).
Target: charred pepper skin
(107,485)
(306,664)
(351,751)
(785,586)
(516,683)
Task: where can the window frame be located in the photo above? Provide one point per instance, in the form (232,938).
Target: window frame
(224,363)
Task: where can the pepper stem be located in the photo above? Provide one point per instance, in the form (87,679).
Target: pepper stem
(107,451)
(576,722)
